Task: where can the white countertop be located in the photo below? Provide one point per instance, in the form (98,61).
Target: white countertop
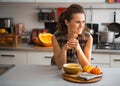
(30,47)
(37,75)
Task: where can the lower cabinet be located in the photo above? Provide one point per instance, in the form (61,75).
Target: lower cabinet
(12,57)
(42,58)
(100,60)
(115,60)
(25,57)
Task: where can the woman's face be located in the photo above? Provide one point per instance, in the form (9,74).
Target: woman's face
(77,23)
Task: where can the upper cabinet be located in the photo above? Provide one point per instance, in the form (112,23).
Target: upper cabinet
(56,1)
(17,0)
(70,1)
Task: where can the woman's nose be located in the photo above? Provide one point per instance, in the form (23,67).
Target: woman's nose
(81,24)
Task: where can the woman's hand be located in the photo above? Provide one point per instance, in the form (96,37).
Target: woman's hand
(73,44)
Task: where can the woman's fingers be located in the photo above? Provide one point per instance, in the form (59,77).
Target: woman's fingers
(72,43)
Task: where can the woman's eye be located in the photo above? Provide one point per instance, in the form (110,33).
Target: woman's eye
(83,21)
(80,22)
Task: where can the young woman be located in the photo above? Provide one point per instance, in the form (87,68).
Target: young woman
(72,43)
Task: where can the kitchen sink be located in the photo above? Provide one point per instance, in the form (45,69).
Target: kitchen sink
(5,67)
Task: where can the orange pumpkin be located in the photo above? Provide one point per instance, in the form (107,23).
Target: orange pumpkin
(45,39)
(96,70)
(2,31)
(88,68)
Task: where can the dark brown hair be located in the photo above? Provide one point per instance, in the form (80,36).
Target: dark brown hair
(68,14)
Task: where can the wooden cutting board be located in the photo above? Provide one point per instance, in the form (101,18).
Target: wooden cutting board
(74,78)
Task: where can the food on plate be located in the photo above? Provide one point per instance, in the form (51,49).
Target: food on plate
(72,68)
(88,68)
(96,70)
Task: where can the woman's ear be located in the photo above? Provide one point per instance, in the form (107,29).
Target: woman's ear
(66,22)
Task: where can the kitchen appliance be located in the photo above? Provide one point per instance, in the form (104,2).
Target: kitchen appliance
(26,37)
(114,27)
(94,27)
(108,46)
(107,36)
(51,26)
(106,40)
(7,23)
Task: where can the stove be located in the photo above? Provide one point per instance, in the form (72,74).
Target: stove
(110,46)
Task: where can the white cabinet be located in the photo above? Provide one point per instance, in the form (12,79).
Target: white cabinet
(17,0)
(37,57)
(25,57)
(101,60)
(70,0)
(115,60)
(12,57)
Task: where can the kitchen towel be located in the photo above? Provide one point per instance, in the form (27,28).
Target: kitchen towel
(88,76)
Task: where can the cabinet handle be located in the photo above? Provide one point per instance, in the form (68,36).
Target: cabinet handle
(5,55)
(48,57)
(92,58)
(116,59)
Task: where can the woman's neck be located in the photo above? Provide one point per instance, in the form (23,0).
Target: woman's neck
(72,35)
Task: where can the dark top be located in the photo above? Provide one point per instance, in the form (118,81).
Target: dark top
(71,53)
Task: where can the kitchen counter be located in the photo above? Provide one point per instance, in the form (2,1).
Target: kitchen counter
(104,51)
(30,47)
(41,75)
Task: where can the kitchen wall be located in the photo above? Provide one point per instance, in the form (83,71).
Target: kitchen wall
(27,13)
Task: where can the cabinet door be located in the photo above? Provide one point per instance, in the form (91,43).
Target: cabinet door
(17,0)
(102,60)
(12,57)
(42,58)
(115,61)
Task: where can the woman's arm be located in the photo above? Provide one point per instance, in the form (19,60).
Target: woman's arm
(84,56)
(59,53)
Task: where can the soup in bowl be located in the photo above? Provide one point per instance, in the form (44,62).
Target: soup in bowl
(72,68)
